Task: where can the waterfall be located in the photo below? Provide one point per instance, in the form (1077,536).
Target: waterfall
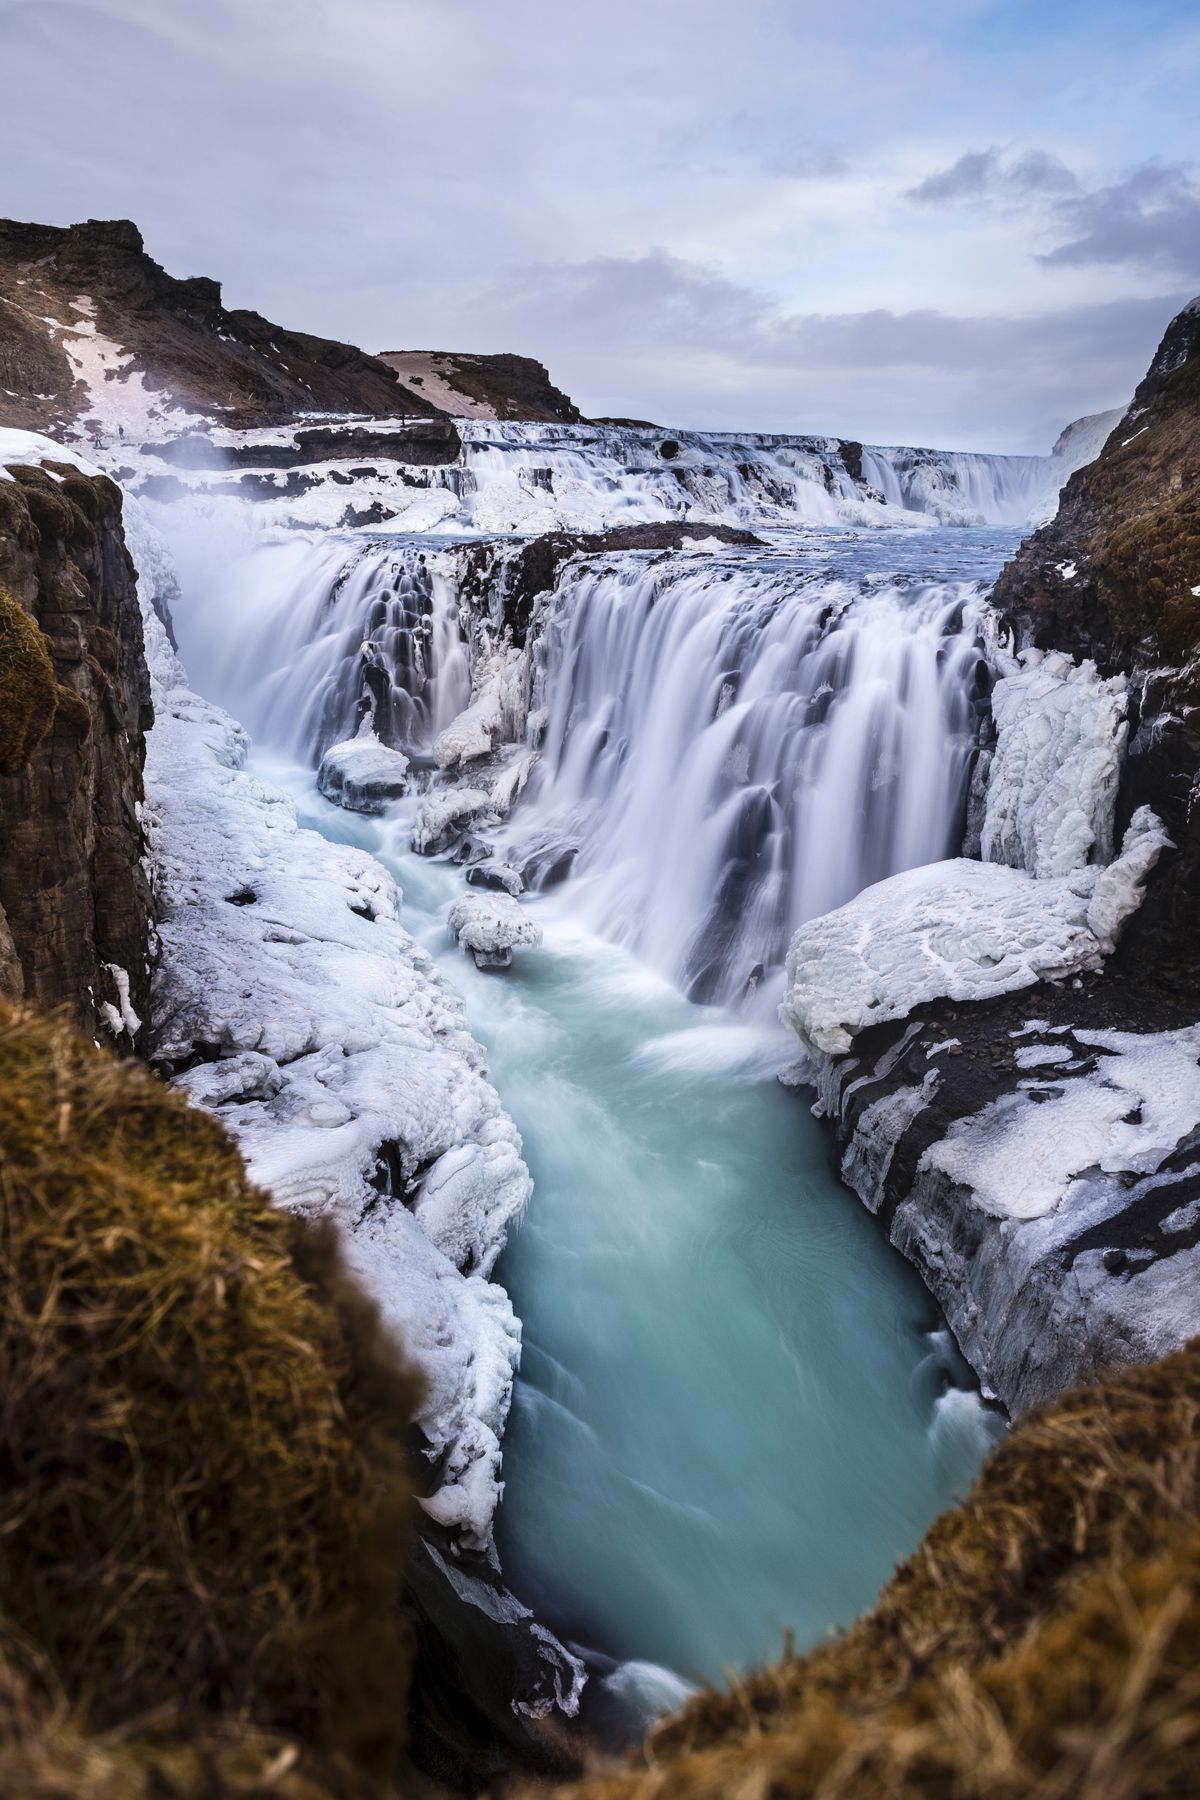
(733,745)
(730,744)
(302,637)
(530,478)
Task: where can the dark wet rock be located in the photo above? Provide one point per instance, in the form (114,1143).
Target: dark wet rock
(488,1679)
(510,387)
(73,891)
(497,876)
(852,454)
(180,334)
(537,568)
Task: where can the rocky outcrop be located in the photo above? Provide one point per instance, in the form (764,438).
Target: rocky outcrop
(536,569)
(482,387)
(1116,577)
(1035,1157)
(76,701)
(177,335)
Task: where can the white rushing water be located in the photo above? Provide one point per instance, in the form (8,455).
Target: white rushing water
(730,744)
(529,478)
(735,744)
(733,1414)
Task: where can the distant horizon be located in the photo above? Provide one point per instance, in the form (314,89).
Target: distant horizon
(962,230)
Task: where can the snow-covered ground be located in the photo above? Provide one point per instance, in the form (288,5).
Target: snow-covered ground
(958,930)
(291,1002)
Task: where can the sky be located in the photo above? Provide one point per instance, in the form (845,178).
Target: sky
(960,223)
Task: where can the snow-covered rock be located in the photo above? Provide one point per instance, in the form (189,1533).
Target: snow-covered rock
(290,1001)
(362,774)
(959,930)
(445,815)
(1052,784)
(496,711)
(1020,1156)
(491,926)
(1045,1183)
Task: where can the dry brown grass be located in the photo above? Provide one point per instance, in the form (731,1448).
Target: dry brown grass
(204,1495)
(28,689)
(1044,1641)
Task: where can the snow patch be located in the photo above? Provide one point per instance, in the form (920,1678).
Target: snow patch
(1020,1154)
(959,930)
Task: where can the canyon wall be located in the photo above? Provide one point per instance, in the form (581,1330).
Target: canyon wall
(74,894)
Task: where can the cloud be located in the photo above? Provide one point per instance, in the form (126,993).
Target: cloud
(1151,219)
(987,173)
(374,182)
(663,337)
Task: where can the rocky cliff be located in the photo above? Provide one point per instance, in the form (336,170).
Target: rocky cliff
(74,898)
(482,387)
(85,304)
(1116,577)
(87,318)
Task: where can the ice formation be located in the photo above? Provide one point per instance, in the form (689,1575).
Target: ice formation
(362,774)
(295,1006)
(961,930)
(491,926)
(496,710)
(530,478)
(445,815)
(1052,784)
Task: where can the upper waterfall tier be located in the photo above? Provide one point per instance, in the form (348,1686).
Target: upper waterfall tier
(491,477)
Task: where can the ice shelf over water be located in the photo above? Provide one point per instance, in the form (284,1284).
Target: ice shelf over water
(959,930)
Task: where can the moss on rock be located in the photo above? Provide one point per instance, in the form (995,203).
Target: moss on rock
(204,1493)
(73,710)
(28,689)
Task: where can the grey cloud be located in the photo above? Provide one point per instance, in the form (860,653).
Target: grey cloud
(659,327)
(987,172)
(1150,219)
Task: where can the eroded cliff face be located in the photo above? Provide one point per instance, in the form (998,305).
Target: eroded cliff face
(74,896)
(1116,577)
(84,305)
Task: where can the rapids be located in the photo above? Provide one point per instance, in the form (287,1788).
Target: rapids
(736,1408)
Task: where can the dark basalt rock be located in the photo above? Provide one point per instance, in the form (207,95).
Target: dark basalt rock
(72,887)
(1112,578)
(181,336)
(513,387)
(852,453)
(483,1672)
(537,569)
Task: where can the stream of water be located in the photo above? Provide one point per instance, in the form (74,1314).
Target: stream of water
(736,1410)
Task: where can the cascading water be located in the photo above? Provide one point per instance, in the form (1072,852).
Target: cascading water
(729,1418)
(528,478)
(317,633)
(736,744)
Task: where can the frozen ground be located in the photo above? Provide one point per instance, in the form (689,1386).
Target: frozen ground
(292,1003)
